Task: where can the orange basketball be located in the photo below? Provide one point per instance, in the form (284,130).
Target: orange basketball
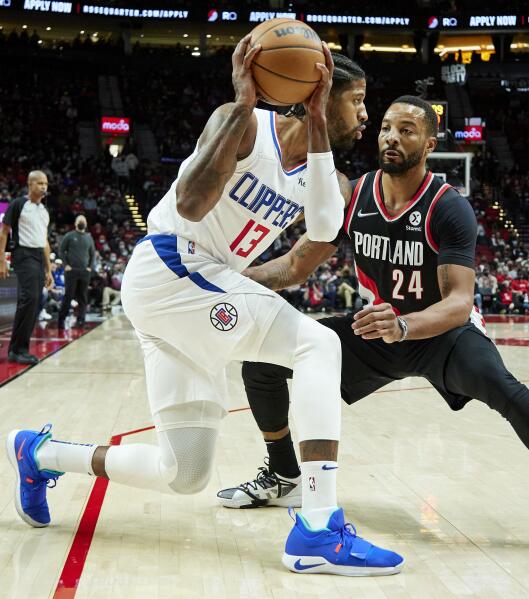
(285,69)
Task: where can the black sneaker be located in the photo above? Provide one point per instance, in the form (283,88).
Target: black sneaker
(22,358)
(267,489)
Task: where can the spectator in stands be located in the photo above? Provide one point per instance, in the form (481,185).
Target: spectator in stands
(487,288)
(506,298)
(112,292)
(347,289)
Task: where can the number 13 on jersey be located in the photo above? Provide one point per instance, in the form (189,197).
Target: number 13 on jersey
(244,247)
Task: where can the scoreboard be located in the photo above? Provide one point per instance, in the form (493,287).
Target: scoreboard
(441,110)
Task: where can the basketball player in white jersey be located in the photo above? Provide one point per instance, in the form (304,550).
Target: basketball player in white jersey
(250,176)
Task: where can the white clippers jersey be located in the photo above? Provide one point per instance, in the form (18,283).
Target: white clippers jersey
(259,201)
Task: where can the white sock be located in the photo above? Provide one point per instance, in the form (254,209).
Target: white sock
(318,492)
(63,456)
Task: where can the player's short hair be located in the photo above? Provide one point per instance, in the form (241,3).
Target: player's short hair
(432,123)
(345,71)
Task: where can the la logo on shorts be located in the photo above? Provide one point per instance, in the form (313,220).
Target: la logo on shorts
(223,316)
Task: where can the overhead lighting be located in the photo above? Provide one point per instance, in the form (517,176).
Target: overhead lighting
(186,35)
(24,26)
(95,34)
(195,53)
(39,42)
(196,48)
(81,32)
(48,28)
(142,35)
(442,50)
(208,35)
(370,48)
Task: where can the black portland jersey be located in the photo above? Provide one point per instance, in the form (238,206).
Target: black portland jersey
(396,257)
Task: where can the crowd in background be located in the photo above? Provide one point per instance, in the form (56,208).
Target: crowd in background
(176,104)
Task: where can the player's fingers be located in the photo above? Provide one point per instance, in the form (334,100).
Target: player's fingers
(363,312)
(373,308)
(250,55)
(368,328)
(374,335)
(362,322)
(240,49)
(329,62)
(325,76)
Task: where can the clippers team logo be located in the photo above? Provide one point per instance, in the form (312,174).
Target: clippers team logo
(223,317)
(213,15)
(415,218)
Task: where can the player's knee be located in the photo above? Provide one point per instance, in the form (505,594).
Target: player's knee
(188,466)
(323,340)
(191,480)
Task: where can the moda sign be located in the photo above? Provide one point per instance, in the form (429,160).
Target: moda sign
(111,125)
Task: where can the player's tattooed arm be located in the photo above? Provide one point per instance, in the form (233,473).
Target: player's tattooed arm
(228,136)
(294,267)
(228,131)
(444,280)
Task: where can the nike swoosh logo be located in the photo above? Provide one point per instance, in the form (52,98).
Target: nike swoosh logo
(362,214)
(19,453)
(325,467)
(358,555)
(299,566)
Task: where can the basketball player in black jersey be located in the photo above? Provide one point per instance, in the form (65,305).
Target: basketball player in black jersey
(413,240)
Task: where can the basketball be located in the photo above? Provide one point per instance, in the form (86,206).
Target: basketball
(285,69)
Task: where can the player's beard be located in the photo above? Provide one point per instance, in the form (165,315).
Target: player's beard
(400,168)
(340,137)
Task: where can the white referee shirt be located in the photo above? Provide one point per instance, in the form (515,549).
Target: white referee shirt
(29,222)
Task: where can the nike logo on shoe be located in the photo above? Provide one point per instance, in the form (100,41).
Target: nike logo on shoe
(358,555)
(362,214)
(19,452)
(327,467)
(299,566)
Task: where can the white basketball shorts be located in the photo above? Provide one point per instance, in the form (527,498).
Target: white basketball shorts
(193,315)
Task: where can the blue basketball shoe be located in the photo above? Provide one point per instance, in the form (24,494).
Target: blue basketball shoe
(336,550)
(31,483)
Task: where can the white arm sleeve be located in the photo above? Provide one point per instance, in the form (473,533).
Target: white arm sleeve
(324,203)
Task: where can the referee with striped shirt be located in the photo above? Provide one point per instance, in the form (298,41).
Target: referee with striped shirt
(27,219)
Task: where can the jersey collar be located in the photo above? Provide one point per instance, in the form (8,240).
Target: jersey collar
(273,126)
(377,193)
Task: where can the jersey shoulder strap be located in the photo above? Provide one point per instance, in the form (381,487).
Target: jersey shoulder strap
(359,186)
(444,190)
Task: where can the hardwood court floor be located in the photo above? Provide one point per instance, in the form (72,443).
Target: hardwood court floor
(447,490)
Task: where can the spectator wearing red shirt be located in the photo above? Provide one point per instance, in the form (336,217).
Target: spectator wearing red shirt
(506,297)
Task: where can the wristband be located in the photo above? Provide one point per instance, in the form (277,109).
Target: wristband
(403,327)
